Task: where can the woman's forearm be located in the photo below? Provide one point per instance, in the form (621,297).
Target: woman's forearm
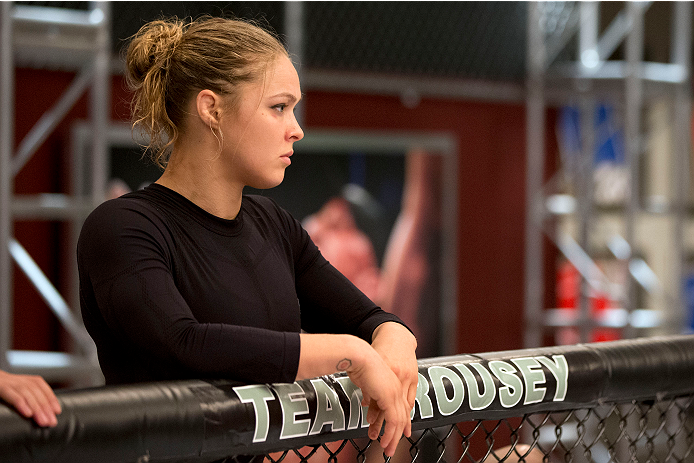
(324,354)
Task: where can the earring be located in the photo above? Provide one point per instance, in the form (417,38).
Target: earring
(219,141)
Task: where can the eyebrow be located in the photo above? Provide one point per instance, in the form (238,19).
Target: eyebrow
(290,96)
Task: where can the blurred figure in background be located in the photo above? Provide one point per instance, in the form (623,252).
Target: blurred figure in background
(401,285)
(116,188)
(334,230)
(413,249)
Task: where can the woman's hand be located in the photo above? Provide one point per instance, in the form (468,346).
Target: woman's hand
(397,345)
(382,391)
(31,396)
(323,354)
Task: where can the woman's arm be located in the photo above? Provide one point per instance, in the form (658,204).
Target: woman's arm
(323,354)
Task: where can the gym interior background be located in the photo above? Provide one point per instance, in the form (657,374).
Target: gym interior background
(606,256)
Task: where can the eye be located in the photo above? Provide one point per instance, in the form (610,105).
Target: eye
(280,107)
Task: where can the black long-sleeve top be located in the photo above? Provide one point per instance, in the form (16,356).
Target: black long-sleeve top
(169,291)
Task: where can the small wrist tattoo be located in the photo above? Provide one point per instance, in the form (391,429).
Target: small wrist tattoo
(344,364)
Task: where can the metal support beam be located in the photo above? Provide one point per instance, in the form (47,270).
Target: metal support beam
(589,59)
(584,206)
(682,114)
(588,35)
(44,36)
(6,177)
(535,160)
(50,120)
(100,106)
(632,134)
(615,33)
(52,297)
(294,25)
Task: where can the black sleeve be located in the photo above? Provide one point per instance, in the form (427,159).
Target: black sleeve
(124,263)
(329,302)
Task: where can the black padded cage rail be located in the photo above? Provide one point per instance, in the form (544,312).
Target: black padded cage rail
(201,421)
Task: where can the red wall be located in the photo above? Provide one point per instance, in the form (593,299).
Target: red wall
(491,191)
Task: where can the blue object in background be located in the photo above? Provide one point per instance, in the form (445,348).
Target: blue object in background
(609,142)
(609,145)
(570,129)
(688,299)
(357,169)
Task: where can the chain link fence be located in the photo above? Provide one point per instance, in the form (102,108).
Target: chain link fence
(476,40)
(471,40)
(645,431)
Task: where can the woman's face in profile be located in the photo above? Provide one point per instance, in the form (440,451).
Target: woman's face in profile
(258,137)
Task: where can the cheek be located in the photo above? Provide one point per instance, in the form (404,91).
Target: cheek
(262,132)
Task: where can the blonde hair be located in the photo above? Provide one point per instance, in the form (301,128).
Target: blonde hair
(169,60)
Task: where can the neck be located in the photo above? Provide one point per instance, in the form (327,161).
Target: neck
(201,183)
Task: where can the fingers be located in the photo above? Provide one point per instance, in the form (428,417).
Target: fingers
(375,417)
(396,424)
(45,405)
(396,418)
(366,399)
(388,382)
(412,394)
(407,430)
(390,438)
(16,400)
(32,397)
(409,395)
(50,399)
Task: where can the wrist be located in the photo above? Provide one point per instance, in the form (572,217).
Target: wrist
(394,332)
(357,354)
(324,354)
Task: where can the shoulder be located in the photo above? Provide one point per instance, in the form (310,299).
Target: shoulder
(129,216)
(122,210)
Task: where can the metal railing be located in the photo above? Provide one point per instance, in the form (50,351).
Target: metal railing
(614,401)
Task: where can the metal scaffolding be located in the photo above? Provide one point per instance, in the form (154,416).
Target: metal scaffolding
(53,38)
(557,75)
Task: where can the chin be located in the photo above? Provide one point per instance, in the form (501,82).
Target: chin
(266,184)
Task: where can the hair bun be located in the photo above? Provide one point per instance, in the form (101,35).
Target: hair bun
(152,47)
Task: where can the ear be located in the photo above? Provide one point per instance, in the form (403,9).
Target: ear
(208,105)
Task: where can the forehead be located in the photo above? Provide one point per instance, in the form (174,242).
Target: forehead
(280,80)
(281,77)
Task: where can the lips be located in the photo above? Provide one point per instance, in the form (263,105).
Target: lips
(285,157)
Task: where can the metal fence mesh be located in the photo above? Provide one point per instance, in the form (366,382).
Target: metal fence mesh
(484,40)
(478,40)
(645,431)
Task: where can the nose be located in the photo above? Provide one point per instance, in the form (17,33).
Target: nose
(295,131)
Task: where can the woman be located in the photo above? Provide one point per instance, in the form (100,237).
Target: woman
(189,278)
